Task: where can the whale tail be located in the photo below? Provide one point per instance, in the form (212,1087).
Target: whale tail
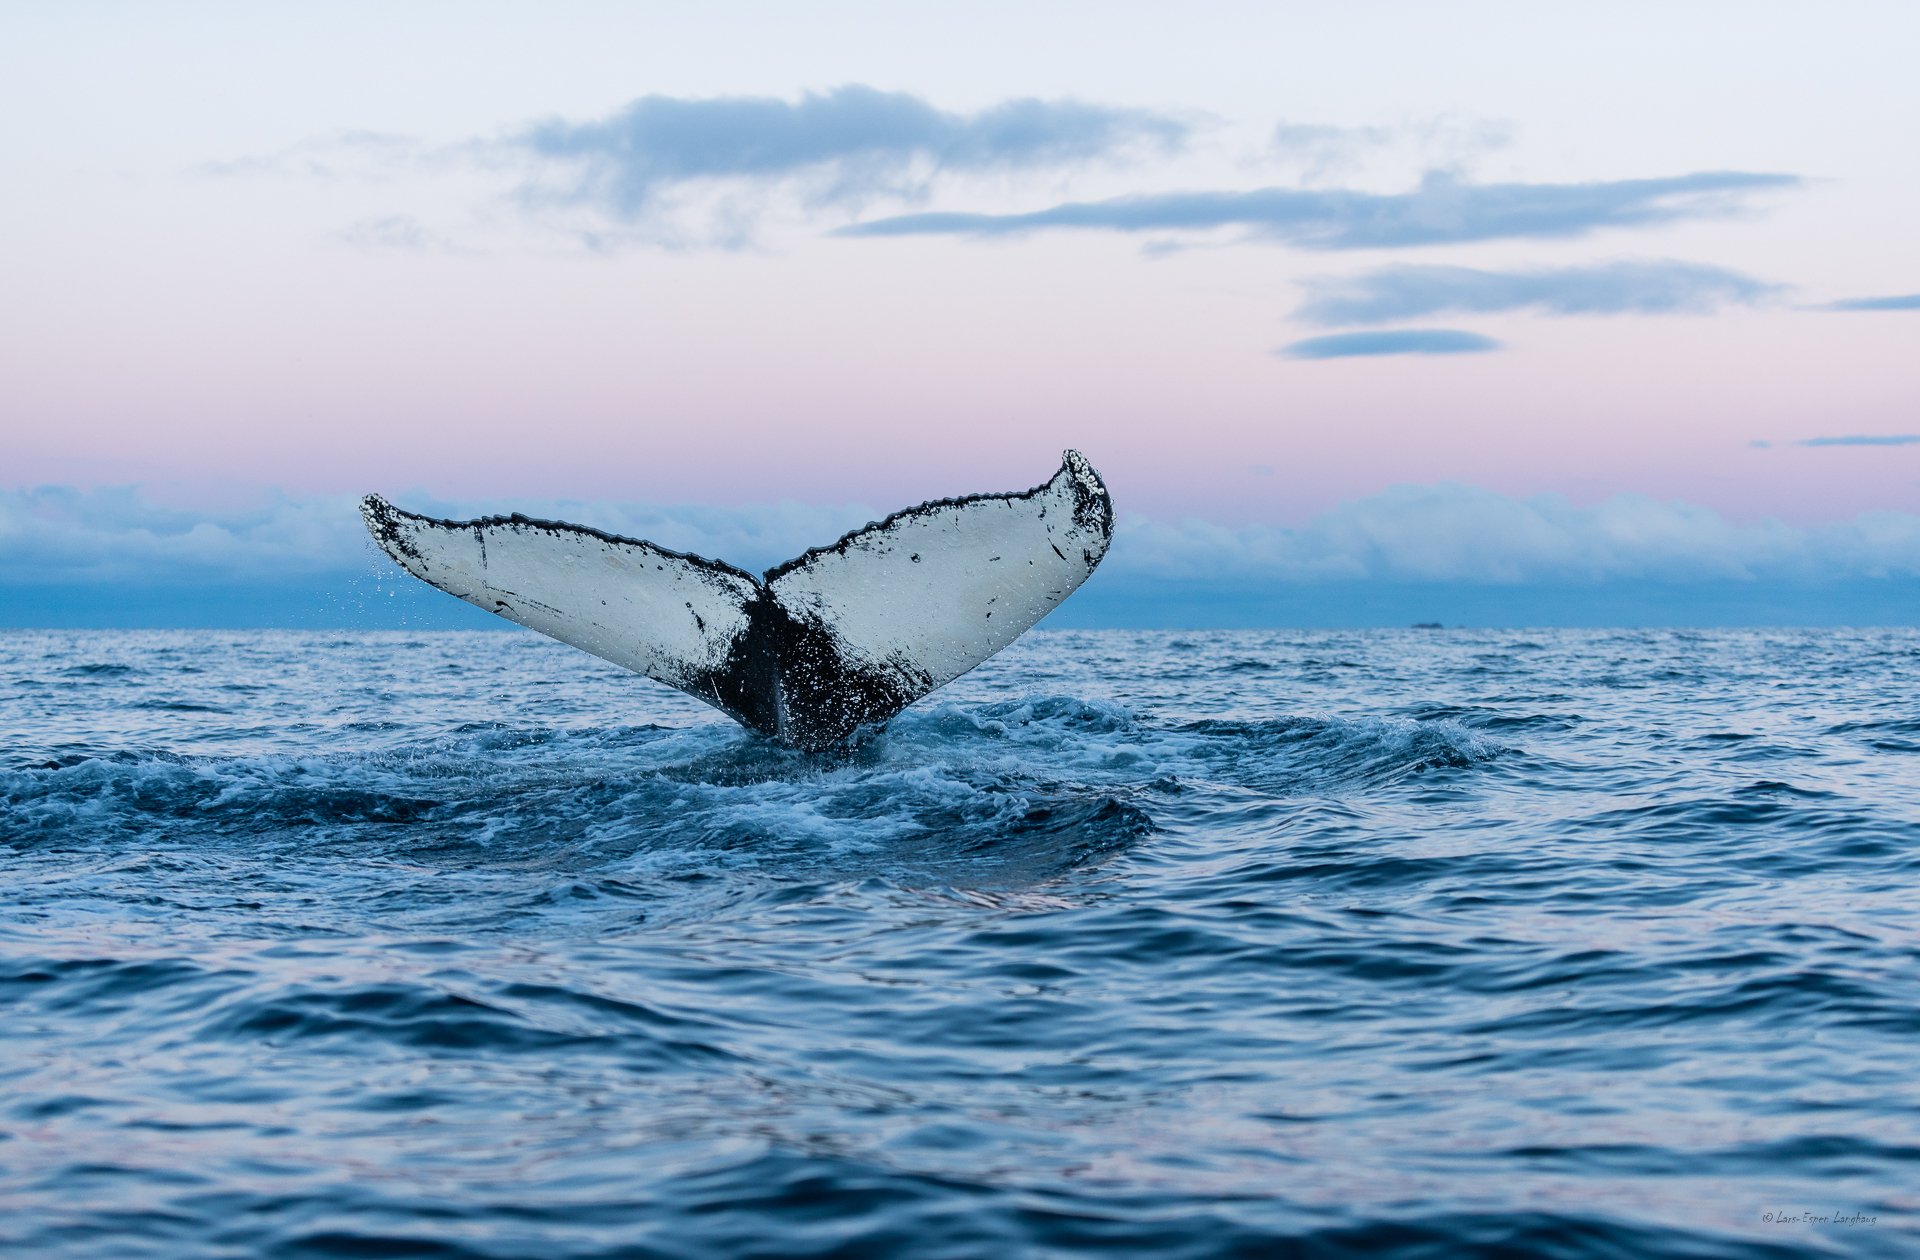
(839,638)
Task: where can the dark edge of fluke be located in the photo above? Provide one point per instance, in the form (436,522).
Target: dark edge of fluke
(380,515)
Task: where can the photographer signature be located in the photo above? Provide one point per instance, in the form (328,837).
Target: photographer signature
(1818,1218)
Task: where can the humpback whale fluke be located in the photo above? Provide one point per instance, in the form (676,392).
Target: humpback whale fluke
(838,638)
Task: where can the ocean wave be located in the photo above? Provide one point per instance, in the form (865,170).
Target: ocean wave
(966,772)
(1557,943)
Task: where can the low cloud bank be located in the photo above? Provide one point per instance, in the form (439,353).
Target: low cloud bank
(1458,533)
(115,553)
(57,535)
(63,536)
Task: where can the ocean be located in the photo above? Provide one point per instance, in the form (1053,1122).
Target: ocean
(1425,943)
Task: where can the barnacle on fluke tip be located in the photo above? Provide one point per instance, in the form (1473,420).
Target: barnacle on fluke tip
(836,640)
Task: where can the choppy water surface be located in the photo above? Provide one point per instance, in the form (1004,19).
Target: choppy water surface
(1428,943)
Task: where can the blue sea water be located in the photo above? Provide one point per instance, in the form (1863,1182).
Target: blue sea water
(1415,943)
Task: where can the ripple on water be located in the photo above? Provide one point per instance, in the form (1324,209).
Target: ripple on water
(1343,943)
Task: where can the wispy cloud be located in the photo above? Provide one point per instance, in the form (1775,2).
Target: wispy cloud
(1443,142)
(332,156)
(1396,341)
(1441,210)
(1899,302)
(671,170)
(1322,145)
(1415,292)
(399,233)
(845,145)
(1865,439)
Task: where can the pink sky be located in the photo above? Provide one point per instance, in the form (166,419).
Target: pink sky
(225,333)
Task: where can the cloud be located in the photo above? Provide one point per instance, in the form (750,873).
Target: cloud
(112,557)
(672,170)
(1396,341)
(1865,439)
(1315,139)
(1901,302)
(845,145)
(1645,288)
(66,536)
(396,233)
(1441,210)
(1444,532)
(1318,149)
(1457,533)
(332,156)
(1446,141)
(705,171)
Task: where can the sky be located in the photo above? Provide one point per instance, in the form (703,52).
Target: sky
(1507,313)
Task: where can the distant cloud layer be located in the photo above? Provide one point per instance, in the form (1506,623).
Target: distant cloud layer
(62,535)
(1457,533)
(1900,302)
(1441,210)
(1398,341)
(1416,292)
(847,144)
(115,539)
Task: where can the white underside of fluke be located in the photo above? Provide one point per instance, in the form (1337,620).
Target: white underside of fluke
(629,602)
(839,638)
